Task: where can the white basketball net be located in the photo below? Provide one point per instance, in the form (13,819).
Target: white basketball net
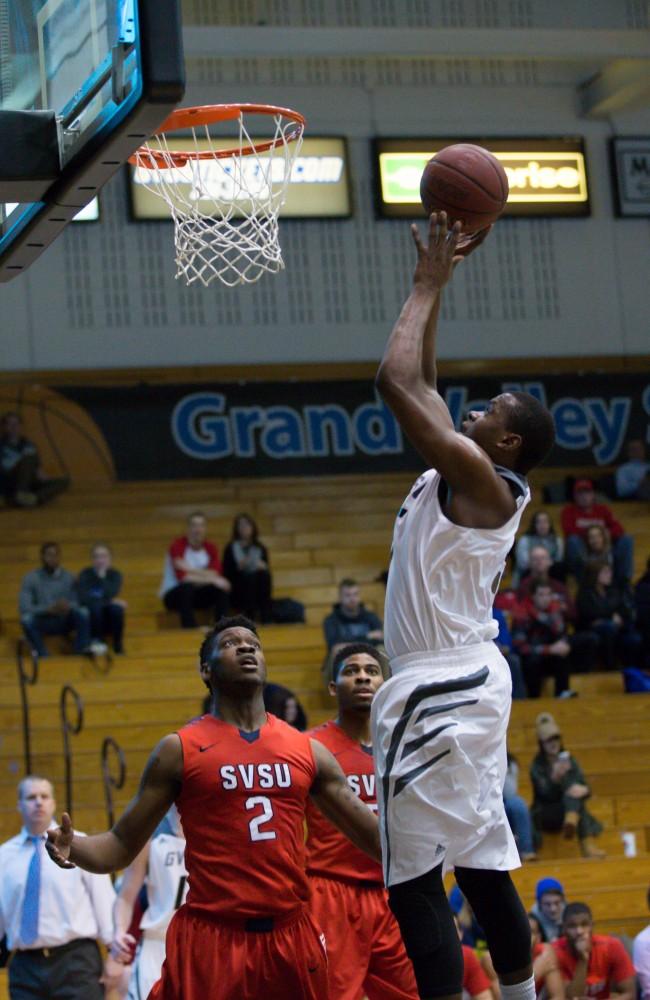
(225,210)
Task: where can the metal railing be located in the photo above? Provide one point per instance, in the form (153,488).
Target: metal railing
(112,782)
(69,728)
(26,677)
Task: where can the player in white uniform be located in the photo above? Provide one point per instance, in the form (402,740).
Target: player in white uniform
(440,722)
(161,867)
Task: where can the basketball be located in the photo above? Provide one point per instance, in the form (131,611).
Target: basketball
(468,183)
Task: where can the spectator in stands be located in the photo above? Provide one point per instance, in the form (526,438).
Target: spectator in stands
(98,587)
(598,549)
(246,565)
(540,637)
(504,642)
(592,965)
(193,577)
(48,605)
(517,812)
(546,970)
(642,607)
(282,702)
(51,917)
(350,620)
(632,478)
(608,611)
(560,791)
(540,533)
(548,908)
(540,566)
(578,516)
(641,958)
(22,480)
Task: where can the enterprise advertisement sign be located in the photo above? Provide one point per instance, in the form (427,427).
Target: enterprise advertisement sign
(318,186)
(546,176)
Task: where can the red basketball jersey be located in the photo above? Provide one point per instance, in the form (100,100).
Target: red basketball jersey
(329,853)
(242,805)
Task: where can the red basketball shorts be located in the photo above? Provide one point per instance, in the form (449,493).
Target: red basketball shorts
(365,953)
(208,960)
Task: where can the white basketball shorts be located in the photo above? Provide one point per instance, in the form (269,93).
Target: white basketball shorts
(149,958)
(439,736)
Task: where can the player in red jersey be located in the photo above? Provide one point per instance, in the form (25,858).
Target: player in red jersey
(240,779)
(364,945)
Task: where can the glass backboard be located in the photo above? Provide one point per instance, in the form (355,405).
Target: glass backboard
(111,71)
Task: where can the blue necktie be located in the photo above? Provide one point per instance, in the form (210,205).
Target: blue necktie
(31,902)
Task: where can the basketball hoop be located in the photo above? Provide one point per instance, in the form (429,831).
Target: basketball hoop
(224,195)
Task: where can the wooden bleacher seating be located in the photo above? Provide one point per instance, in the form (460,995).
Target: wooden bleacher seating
(317,531)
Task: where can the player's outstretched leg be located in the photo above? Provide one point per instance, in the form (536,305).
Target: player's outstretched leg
(501,914)
(429,934)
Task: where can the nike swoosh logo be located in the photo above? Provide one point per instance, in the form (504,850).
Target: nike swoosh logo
(203,749)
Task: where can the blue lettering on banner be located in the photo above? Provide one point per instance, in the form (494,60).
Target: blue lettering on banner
(244,420)
(282,437)
(203,430)
(456,400)
(611,425)
(376,431)
(459,405)
(320,419)
(572,429)
(197,427)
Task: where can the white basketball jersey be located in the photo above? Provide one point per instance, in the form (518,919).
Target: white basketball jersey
(443,577)
(166,883)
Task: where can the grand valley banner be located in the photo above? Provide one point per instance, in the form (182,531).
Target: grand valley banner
(307,428)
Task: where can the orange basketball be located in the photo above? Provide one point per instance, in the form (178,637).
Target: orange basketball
(468,183)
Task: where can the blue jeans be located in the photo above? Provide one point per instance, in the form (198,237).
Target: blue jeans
(520,823)
(107,619)
(76,620)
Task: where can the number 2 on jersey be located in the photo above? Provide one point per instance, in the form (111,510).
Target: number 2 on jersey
(261,819)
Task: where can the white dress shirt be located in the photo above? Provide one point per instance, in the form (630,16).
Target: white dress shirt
(73,903)
(641,959)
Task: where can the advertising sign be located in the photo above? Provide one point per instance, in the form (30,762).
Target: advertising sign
(318,188)
(545,176)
